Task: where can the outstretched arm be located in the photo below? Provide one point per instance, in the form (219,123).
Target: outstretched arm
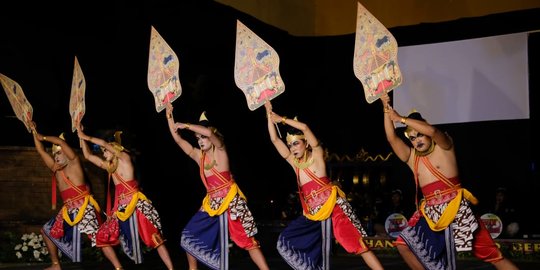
(68,151)
(174,127)
(210,133)
(440,138)
(310,137)
(278,143)
(46,157)
(87,152)
(400,148)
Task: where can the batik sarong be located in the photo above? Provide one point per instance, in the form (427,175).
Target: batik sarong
(224,213)
(206,238)
(445,224)
(138,219)
(306,242)
(435,250)
(79,215)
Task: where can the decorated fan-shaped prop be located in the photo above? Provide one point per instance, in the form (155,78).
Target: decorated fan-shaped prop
(22,108)
(77,106)
(375,56)
(256,68)
(163,65)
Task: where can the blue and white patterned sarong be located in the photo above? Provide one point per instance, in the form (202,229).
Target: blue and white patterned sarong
(435,250)
(130,239)
(305,244)
(207,239)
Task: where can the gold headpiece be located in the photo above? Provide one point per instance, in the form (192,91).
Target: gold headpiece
(117,144)
(213,129)
(291,138)
(294,137)
(55,147)
(203,117)
(408,129)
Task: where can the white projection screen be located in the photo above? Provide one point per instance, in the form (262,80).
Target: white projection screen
(472,80)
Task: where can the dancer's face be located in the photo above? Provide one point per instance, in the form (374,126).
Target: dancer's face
(204,142)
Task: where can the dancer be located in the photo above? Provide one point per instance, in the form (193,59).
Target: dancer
(444,222)
(133,218)
(80,212)
(305,243)
(224,210)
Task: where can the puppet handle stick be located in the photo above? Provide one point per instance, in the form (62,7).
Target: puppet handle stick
(277,127)
(275,124)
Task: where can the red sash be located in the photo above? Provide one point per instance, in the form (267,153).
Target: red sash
(224,182)
(324,185)
(57,230)
(442,178)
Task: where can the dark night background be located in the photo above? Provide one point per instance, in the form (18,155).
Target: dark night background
(39,41)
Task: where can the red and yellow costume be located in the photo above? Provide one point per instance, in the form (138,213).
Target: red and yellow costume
(447,224)
(306,242)
(224,212)
(138,220)
(79,214)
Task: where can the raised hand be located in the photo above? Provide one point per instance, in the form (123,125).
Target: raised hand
(168,110)
(268,106)
(385,98)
